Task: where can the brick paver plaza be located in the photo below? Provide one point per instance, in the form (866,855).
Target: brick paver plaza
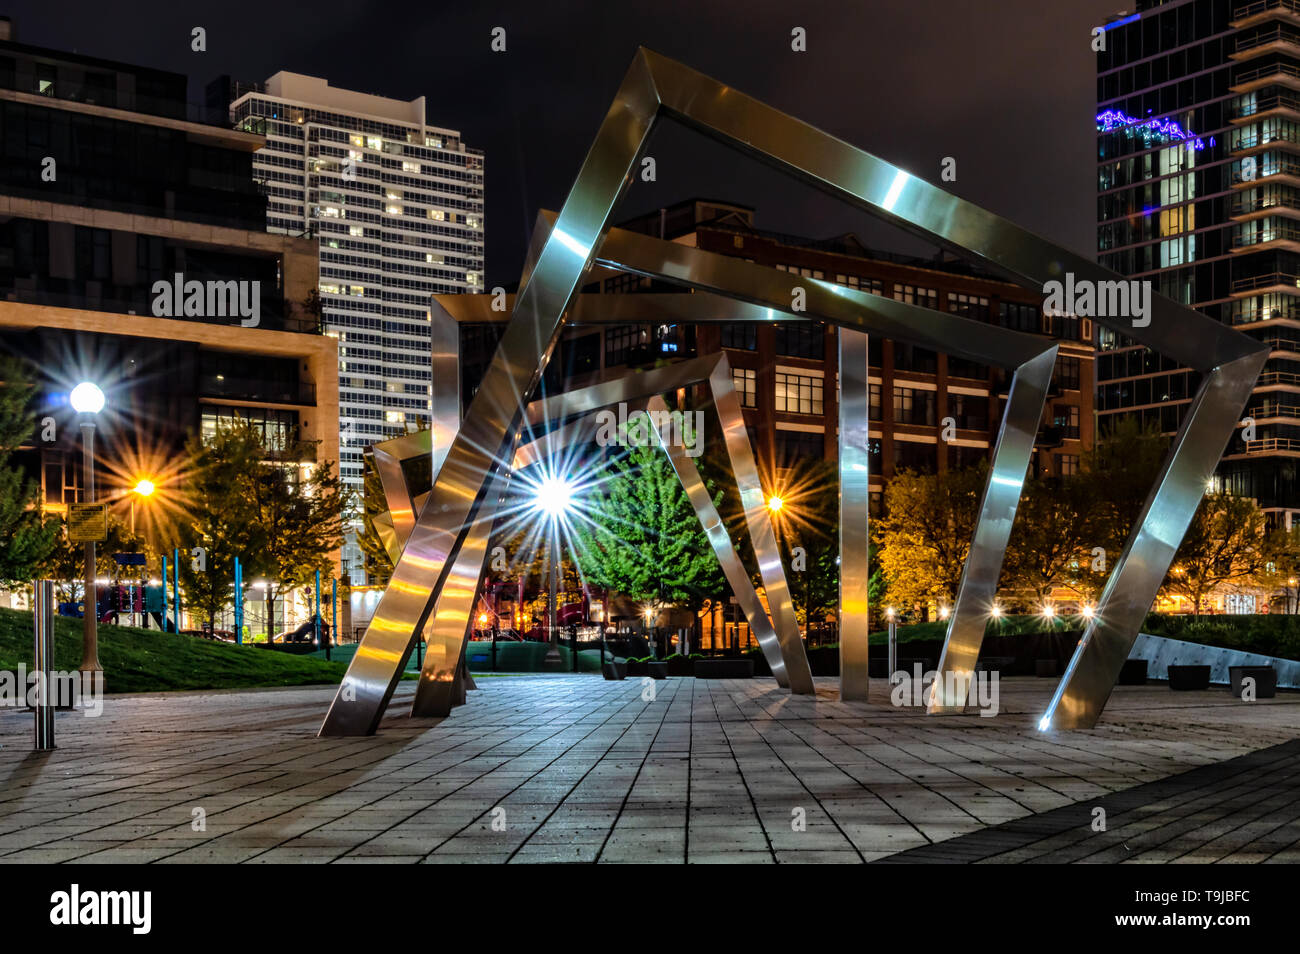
(573,768)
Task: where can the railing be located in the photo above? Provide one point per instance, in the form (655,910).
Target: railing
(1274,410)
(1276,35)
(256,389)
(1265,281)
(1243,205)
(1257,106)
(1263,6)
(1273,169)
(1272,445)
(1261,72)
(1264,236)
(1255,139)
(1279,377)
(1281,344)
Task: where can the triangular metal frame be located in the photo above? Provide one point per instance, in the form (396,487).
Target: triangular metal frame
(655,87)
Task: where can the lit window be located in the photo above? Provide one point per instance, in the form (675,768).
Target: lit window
(746,386)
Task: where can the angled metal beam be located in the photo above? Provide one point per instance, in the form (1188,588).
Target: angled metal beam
(1001,497)
(1136,578)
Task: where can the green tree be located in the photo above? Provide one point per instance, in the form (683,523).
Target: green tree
(1122,469)
(27,538)
(1281,570)
(378,564)
(222,519)
(1224,544)
(641,537)
(925,533)
(1049,540)
(282,516)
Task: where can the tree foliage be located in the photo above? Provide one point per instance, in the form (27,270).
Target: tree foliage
(27,537)
(925,532)
(641,536)
(282,518)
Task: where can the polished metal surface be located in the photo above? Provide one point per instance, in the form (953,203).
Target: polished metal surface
(1137,576)
(444,388)
(979,580)
(855,495)
(43,618)
(655,86)
(513,375)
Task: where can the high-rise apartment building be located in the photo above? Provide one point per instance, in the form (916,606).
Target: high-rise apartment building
(1198,149)
(112,184)
(397,208)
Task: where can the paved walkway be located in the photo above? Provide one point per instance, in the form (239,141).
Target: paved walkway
(573,768)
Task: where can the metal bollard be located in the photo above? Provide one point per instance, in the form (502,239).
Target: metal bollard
(893,649)
(43,662)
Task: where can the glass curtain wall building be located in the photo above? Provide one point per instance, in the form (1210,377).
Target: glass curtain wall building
(1198,149)
(397,208)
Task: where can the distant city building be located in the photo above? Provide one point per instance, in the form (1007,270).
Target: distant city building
(397,208)
(1198,149)
(113,188)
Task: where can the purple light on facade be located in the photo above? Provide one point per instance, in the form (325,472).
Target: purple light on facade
(1148,129)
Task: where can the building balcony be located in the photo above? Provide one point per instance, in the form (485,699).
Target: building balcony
(257,391)
(1281,173)
(1275,237)
(1279,104)
(1271,282)
(1277,40)
(1274,411)
(1246,208)
(1257,142)
(1272,445)
(1247,15)
(1278,379)
(1275,74)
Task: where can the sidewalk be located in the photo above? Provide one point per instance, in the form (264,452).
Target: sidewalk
(573,768)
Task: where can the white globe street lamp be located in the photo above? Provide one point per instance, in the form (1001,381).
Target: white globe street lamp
(87,399)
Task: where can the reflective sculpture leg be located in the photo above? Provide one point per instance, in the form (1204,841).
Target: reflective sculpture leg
(855,495)
(1137,576)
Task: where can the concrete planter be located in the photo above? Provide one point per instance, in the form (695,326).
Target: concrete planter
(1265,680)
(724,669)
(657,670)
(1189,678)
(613,670)
(1133,673)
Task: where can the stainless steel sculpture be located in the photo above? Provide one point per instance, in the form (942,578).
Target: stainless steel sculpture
(655,86)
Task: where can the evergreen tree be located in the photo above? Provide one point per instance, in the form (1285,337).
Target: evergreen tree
(640,535)
(27,538)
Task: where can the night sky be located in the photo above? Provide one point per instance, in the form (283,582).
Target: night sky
(1005,88)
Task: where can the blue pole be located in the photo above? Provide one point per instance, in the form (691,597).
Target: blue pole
(166,620)
(239,603)
(334,616)
(316,617)
(176,586)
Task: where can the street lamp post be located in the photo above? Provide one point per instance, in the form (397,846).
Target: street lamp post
(88,400)
(553,497)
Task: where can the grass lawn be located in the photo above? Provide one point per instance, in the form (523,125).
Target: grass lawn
(146,660)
